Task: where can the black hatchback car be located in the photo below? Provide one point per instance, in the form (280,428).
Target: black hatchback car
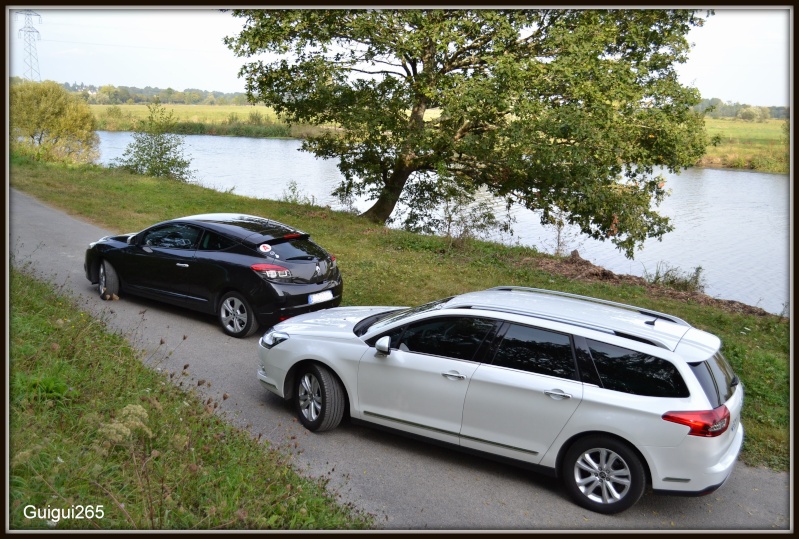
(248,270)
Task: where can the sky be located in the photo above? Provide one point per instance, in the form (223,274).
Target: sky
(739,55)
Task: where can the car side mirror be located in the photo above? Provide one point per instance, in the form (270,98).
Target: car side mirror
(383,345)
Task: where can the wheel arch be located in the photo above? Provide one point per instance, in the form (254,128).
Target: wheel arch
(291,376)
(577,437)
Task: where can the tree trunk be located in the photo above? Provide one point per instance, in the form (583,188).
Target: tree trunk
(389,196)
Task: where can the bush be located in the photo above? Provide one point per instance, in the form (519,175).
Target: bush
(156,150)
(676,279)
(50,124)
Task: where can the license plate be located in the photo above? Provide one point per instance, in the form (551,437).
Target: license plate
(327,295)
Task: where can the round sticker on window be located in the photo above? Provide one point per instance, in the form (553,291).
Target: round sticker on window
(264,247)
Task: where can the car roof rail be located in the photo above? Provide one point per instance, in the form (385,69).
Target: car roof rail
(646,312)
(568,321)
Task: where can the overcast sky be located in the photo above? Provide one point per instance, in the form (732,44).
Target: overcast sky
(740,55)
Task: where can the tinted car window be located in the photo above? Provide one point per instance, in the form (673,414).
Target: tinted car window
(629,371)
(716,377)
(455,337)
(537,351)
(172,237)
(302,249)
(214,242)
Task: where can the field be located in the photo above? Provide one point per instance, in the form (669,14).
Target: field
(748,145)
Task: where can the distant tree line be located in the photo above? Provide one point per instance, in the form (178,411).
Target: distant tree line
(716,108)
(130,95)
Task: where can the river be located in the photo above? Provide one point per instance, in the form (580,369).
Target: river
(734,224)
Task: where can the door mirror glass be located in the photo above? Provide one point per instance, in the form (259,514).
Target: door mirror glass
(383,345)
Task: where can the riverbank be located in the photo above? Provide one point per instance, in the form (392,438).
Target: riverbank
(758,146)
(383,266)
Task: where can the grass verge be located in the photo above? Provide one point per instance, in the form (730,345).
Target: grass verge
(382,266)
(94,433)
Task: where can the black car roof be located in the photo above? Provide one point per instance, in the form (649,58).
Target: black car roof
(248,228)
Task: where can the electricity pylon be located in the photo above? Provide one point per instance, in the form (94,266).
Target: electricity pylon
(31,35)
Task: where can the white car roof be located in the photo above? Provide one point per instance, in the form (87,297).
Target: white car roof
(657,328)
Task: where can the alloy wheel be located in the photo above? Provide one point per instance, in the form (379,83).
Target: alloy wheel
(234,315)
(310,397)
(602,475)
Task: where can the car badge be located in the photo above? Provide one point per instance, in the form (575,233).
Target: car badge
(317,270)
(264,247)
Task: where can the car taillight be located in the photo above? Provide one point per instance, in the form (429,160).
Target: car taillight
(707,423)
(271,271)
(333,262)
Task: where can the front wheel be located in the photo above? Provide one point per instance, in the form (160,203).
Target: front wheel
(236,316)
(318,398)
(603,474)
(108,281)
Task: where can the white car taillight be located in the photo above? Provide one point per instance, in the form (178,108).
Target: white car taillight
(708,423)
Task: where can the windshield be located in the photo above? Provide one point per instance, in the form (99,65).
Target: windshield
(394,316)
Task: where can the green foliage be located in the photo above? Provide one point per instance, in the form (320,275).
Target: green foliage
(50,124)
(676,279)
(294,195)
(566,109)
(156,150)
(754,114)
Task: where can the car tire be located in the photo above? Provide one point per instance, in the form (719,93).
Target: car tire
(107,281)
(603,474)
(318,398)
(236,316)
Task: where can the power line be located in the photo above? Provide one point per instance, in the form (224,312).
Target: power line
(31,34)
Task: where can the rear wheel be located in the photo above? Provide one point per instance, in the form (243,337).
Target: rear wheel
(318,398)
(236,316)
(603,474)
(108,281)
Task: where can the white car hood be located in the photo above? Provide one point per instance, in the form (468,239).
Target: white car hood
(335,322)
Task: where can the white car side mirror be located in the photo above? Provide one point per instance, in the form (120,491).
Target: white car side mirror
(383,345)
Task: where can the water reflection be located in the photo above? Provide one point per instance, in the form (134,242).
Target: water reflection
(733,224)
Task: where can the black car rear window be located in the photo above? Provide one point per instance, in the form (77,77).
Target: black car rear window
(630,371)
(300,249)
(717,378)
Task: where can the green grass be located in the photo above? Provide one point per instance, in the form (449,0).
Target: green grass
(255,121)
(91,425)
(760,146)
(392,267)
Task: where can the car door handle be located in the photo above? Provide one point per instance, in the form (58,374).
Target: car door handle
(452,375)
(182,265)
(557,395)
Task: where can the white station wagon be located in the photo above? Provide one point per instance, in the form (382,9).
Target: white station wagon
(608,397)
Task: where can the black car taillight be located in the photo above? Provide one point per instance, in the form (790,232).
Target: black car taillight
(708,423)
(271,272)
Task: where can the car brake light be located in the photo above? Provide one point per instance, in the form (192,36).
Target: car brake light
(271,271)
(292,236)
(708,423)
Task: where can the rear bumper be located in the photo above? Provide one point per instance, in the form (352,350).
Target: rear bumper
(680,471)
(294,300)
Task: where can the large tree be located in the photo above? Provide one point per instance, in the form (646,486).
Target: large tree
(567,111)
(51,124)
